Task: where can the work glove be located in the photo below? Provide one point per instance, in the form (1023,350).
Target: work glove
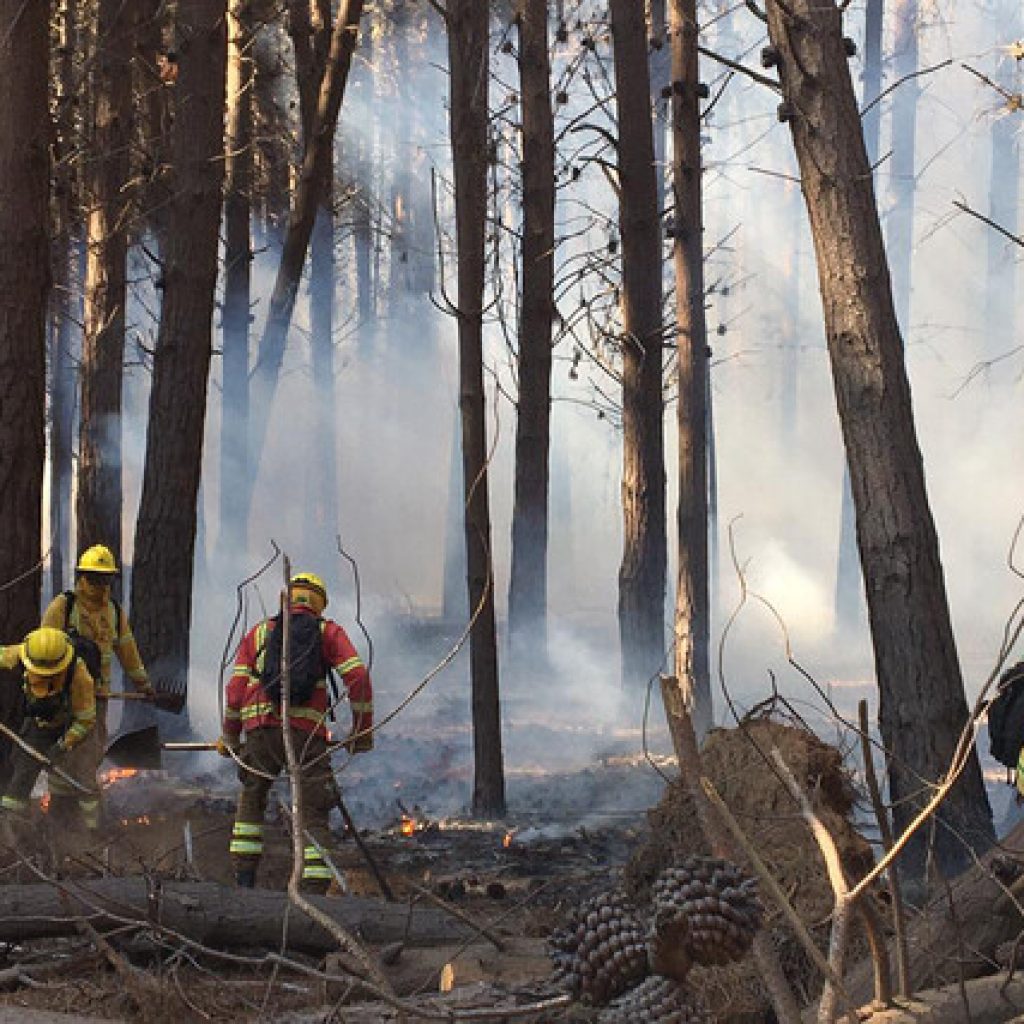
(227,746)
(146,688)
(358,742)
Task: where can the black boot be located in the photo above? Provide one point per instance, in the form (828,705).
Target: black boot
(245,878)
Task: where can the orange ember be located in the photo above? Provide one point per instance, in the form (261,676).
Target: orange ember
(116,775)
(507,841)
(408,826)
(44,803)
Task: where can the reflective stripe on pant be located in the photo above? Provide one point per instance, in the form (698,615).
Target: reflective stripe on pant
(263,749)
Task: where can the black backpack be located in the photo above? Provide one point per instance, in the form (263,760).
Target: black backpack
(1006,717)
(85,648)
(306,660)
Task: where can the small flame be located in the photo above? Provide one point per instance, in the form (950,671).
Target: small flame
(44,803)
(506,842)
(116,774)
(408,826)
(143,819)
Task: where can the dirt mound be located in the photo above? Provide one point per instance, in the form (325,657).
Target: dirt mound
(738,762)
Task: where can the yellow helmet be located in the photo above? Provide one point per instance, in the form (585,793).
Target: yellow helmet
(98,558)
(308,588)
(46,651)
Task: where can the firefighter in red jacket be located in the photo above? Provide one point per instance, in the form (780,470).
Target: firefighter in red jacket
(252,730)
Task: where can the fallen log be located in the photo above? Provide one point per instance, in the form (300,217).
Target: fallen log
(984,915)
(214,915)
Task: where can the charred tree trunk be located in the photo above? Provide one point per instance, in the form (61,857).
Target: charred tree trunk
(63,305)
(238,172)
(642,572)
(165,534)
(98,509)
(900,233)
(692,615)
(922,704)
(155,96)
(324,484)
(849,609)
(24,287)
(315,165)
(527,600)
(468,43)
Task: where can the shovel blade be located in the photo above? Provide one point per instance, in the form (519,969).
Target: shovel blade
(137,749)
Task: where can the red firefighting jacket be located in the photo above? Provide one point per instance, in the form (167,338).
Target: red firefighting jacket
(247,706)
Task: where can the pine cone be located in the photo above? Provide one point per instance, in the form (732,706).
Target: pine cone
(601,952)
(656,1001)
(718,904)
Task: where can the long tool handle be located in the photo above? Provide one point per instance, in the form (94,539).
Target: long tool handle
(196,745)
(128,695)
(43,759)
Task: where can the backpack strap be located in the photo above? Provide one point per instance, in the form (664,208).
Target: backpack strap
(69,606)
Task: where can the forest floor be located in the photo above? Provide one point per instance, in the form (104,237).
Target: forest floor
(612,825)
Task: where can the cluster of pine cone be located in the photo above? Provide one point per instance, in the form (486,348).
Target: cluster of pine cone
(602,951)
(719,904)
(705,911)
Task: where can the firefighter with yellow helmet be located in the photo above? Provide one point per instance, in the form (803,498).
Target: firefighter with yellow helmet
(91,612)
(60,713)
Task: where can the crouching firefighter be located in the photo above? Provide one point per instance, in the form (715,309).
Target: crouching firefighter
(252,727)
(60,713)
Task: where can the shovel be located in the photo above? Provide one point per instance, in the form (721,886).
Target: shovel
(140,746)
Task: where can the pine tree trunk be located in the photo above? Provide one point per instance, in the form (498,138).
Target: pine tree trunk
(642,572)
(154,112)
(660,65)
(468,44)
(238,171)
(64,314)
(24,286)
(98,509)
(849,608)
(922,704)
(527,602)
(692,616)
(165,534)
(315,165)
(902,188)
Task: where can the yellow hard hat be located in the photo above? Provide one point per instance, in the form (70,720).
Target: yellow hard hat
(310,582)
(98,558)
(46,651)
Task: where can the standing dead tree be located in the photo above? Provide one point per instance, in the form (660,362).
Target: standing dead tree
(643,566)
(467,24)
(922,703)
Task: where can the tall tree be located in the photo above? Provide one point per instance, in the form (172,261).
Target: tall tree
(849,589)
(922,705)
(165,532)
(468,46)
(642,571)
(903,182)
(238,255)
(316,164)
(527,599)
(64,314)
(98,510)
(24,287)
(692,612)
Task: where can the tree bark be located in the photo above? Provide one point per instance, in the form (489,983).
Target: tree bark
(692,615)
(922,704)
(98,509)
(315,165)
(24,288)
(642,571)
(527,600)
(902,183)
(468,44)
(64,312)
(238,255)
(165,533)
(218,916)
